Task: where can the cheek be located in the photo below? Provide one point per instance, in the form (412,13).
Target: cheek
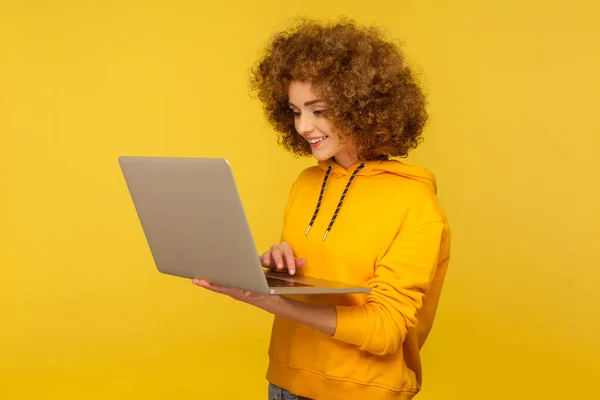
(326,127)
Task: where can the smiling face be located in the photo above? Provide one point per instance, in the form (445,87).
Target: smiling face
(311,123)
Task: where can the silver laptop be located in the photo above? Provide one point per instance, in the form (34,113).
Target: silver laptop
(195,225)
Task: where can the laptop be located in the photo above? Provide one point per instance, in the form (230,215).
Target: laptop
(194,223)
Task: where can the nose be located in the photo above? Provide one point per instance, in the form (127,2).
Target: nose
(304,125)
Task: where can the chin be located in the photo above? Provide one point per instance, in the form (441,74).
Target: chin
(322,156)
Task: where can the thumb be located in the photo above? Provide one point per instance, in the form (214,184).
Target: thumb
(300,262)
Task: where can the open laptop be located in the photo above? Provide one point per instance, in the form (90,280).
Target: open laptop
(195,225)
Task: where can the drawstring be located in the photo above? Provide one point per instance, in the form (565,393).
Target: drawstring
(319,202)
(342,199)
(339,206)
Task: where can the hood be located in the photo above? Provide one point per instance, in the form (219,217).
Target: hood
(367,168)
(372,168)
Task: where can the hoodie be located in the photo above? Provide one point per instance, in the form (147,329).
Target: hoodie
(377,224)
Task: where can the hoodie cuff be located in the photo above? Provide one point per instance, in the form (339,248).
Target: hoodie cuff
(351,325)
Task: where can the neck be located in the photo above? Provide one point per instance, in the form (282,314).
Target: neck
(346,160)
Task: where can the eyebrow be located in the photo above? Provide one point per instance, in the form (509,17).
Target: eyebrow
(308,103)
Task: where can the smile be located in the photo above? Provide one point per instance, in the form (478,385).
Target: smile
(316,141)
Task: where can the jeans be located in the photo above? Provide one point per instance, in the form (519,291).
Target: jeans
(277,393)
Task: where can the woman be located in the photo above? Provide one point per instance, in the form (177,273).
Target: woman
(345,96)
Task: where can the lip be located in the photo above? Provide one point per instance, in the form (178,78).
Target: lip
(313,145)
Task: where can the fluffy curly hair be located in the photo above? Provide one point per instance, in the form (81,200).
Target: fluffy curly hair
(372,95)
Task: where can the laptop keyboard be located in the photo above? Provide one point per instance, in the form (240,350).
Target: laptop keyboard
(274,282)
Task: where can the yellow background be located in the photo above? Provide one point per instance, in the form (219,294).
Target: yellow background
(513,139)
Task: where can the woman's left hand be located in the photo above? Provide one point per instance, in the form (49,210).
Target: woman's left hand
(266,302)
(323,318)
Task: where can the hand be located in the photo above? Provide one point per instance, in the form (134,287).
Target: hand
(266,302)
(323,318)
(281,256)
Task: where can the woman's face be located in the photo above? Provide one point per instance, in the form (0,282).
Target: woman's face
(311,123)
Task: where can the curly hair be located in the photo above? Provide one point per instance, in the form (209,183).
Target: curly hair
(372,94)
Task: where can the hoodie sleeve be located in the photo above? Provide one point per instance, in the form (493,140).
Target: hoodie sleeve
(402,277)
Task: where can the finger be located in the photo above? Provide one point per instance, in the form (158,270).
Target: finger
(288,254)
(206,285)
(289,260)
(266,259)
(235,293)
(300,262)
(277,259)
(203,283)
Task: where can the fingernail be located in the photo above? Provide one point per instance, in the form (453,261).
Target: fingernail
(292,270)
(279,266)
(267,262)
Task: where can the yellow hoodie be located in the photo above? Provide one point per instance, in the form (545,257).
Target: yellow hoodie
(377,224)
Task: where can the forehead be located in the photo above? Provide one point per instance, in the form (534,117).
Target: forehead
(301,90)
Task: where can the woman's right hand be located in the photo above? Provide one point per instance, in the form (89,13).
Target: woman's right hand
(280,256)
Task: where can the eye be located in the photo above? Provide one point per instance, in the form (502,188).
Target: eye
(296,114)
(319,113)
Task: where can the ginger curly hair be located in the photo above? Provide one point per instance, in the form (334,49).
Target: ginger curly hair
(372,94)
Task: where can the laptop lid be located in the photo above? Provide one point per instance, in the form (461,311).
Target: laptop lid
(193,219)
